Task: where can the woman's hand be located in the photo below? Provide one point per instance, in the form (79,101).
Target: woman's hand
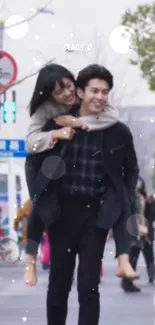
(30,276)
(68,120)
(65,133)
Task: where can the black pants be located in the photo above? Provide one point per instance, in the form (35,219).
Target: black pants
(148,256)
(76,234)
(147,250)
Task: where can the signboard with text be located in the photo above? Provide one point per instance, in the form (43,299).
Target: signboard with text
(14,148)
(8,71)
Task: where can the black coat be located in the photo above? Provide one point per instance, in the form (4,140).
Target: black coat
(150,216)
(120,163)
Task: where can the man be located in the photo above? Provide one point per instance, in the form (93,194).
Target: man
(146,243)
(80,207)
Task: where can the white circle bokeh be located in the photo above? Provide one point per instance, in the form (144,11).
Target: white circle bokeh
(53,167)
(121,39)
(18,31)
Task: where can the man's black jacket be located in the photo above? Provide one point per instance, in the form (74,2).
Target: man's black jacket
(120,164)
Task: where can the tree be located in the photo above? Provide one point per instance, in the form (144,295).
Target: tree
(142,22)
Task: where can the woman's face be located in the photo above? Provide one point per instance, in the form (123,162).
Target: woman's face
(65,93)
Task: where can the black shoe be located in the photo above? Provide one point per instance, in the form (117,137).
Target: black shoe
(128,286)
(151,280)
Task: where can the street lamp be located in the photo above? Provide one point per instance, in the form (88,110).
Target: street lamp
(7,115)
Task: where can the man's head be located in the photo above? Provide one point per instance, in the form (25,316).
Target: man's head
(93,86)
(55,83)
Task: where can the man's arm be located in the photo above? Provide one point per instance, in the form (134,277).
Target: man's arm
(131,172)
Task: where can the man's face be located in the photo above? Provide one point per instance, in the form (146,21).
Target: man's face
(95,96)
(64,93)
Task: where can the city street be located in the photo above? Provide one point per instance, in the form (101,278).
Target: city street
(20,304)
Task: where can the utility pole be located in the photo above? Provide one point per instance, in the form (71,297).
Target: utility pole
(9,161)
(1,33)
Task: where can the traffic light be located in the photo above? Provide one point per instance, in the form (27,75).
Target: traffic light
(14,107)
(4,106)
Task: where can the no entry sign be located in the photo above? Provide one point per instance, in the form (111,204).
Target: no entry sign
(8,71)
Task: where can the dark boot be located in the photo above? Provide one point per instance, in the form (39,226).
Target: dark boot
(128,286)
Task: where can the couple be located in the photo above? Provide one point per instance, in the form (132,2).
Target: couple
(81,173)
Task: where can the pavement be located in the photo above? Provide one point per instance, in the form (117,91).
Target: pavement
(20,304)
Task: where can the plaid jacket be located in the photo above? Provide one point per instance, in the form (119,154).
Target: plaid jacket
(84,173)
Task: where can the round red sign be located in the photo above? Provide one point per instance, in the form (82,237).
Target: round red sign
(8,71)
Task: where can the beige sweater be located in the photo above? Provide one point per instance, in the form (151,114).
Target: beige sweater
(38,141)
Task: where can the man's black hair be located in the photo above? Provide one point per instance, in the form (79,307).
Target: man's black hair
(94,71)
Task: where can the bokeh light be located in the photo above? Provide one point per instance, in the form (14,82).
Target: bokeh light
(18,31)
(54,167)
(121,38)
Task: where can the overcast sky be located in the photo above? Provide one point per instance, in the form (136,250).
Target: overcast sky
(82,21)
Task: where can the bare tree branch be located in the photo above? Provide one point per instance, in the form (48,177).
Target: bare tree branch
(28,76)
(39,11)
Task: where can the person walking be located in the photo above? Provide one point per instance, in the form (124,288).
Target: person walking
(81,205)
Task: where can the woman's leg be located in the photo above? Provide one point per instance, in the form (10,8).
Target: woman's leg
(127,284)
(123,243)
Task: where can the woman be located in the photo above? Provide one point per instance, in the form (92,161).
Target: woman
(59,87)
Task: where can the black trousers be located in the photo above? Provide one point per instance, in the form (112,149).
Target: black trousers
(148,256)
(76,233)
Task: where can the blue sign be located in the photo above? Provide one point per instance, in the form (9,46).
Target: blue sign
(12,148)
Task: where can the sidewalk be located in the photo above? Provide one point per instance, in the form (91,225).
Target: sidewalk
(20,304)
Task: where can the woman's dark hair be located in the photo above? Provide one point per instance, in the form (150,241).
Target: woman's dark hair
(46,82)
(94,71)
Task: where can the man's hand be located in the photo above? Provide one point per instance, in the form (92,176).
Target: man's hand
(65,133)
(143,231)
(68,120)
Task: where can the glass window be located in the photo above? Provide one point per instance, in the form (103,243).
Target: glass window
(18,183)
(3,183)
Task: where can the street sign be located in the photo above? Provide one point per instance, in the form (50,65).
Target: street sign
(8,71)
(13,148)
